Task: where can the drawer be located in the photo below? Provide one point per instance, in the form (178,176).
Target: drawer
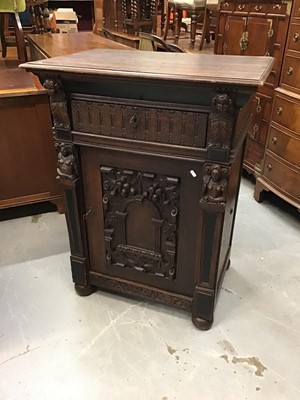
(226,6)
(242,7)
(258,8)
(286,112)
(285,178)
(277,9)
(290,74)
(294,38)
(285,146)
(296,9)
(120,119)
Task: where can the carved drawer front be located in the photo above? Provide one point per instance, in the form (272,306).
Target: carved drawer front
(290,74)
(286,112)
(141,122)
(285,177)
(285,146)
(294,38)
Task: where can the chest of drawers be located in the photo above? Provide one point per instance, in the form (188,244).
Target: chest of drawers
(150,148)
(281,165)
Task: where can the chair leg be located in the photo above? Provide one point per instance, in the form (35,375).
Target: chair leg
(20,39)
(193,28)
(167,24)
(2,36)
(205,28)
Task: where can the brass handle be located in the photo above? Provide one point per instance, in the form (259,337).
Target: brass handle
(257,8)
(244,41)
(274,139)
(255,130)
(296,37)
(241,7)
(279,110)
(289,71)
(269,167)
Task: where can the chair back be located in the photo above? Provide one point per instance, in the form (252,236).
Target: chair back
(12,6)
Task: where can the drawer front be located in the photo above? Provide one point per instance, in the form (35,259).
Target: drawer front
(141,123)
(296,9)
(286,179)
(290,74)
(258,8)
(294,38)
(286,113)
(277,9)
(285,146)
(226,6)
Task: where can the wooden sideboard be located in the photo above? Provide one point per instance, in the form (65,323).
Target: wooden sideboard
(257,28)
(150,155)
(28,158)
(281,166)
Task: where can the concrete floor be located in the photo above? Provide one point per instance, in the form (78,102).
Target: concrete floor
(55,345)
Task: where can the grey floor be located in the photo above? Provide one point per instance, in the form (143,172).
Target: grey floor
(56,345)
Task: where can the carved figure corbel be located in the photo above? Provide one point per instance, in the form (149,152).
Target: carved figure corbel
(58,103)
(215,184)
(221,122)
(66,162)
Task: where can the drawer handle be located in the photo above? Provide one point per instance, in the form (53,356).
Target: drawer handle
(296,37)
(257,8)
(289,71)
(269,167)
(241,7)
(274,139)
(279,110)
(134,121)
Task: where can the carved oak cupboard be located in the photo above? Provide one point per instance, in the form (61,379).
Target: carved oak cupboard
(150,149)
(255,29)
(281,166)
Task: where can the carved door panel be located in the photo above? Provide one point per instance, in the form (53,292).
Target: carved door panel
(139,217)
(260,32)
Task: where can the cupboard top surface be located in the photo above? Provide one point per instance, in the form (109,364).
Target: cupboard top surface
(250,71)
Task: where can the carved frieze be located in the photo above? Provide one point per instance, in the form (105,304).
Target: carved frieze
(215,184)
(141,220)
(58,103)
(66,161)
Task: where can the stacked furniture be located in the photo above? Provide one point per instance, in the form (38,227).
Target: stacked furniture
(255,29)
(281,166)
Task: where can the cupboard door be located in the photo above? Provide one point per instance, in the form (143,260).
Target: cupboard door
(259,33)
(235,32)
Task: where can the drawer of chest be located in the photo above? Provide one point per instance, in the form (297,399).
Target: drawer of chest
(290,74)
(285,146)
(293,42)
(142,121)
(286,112)
(283,176)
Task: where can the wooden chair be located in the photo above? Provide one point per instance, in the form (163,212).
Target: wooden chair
(150,42)
(194,8)
(139,16)
(39,14)
(12,8)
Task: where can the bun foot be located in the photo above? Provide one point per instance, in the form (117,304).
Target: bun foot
(84,290)
(202,324)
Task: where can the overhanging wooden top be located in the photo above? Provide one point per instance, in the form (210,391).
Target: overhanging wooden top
(240,70)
